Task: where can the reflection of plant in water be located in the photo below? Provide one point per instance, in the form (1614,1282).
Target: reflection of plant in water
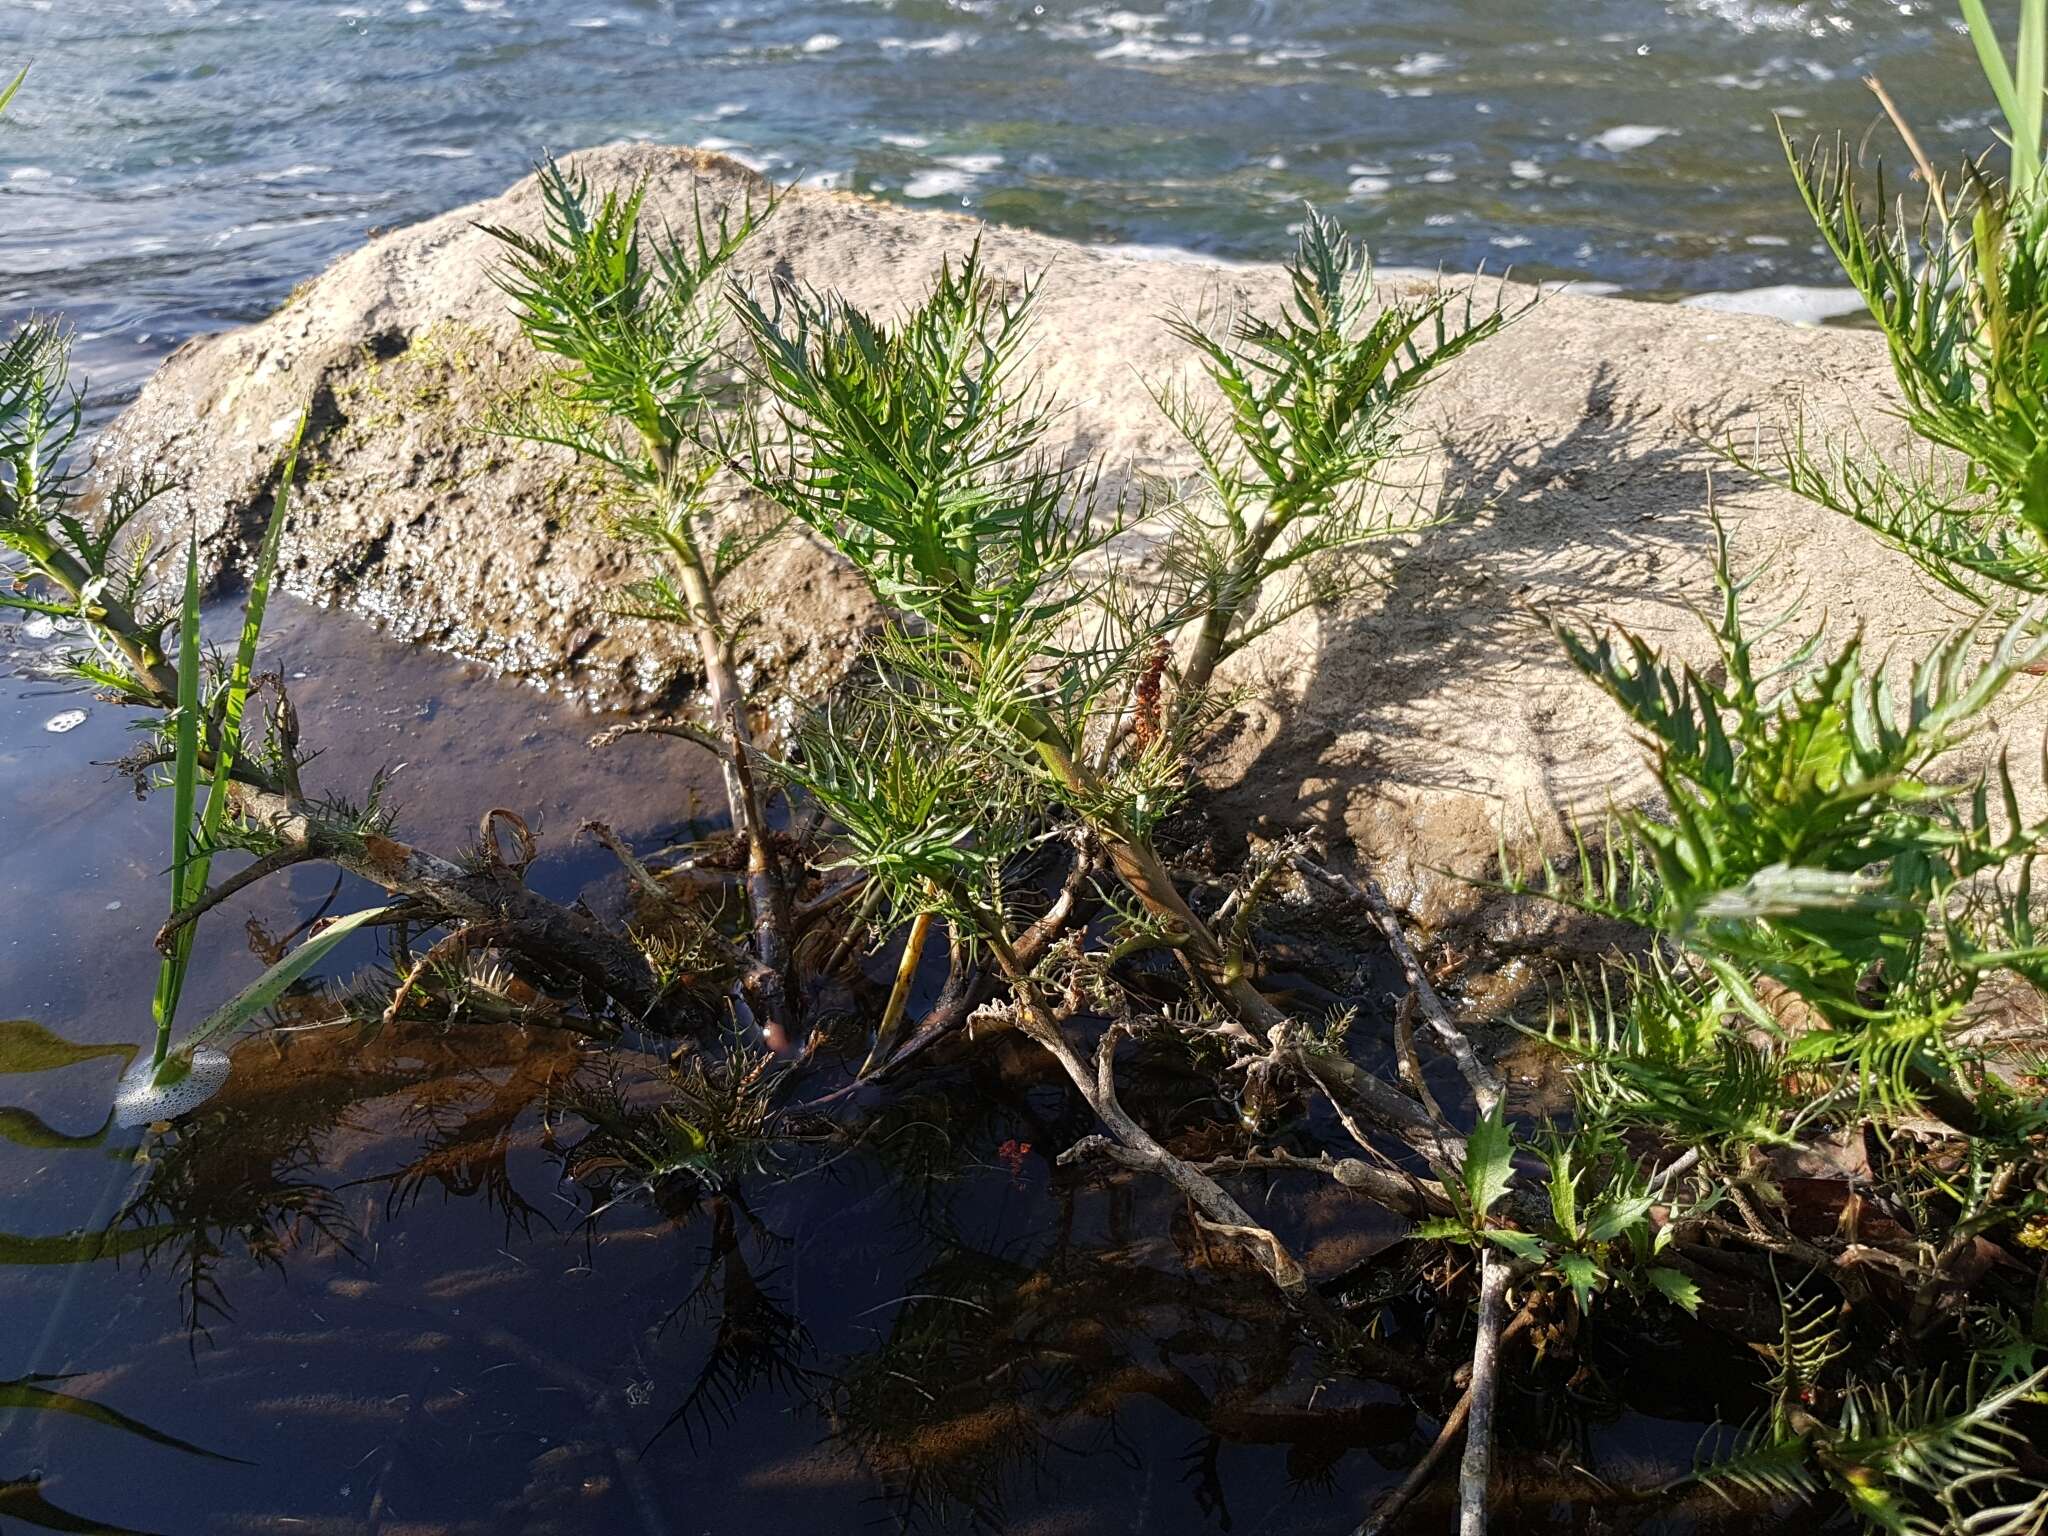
(243,1178)
(992,1364)
(757,1343)
(235,1180)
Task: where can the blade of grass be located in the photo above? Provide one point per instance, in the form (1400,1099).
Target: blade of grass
(244,668)
(2026,131)
(184,790)
(34,1392)
(1992,58)
(12,86)
(195,855)
(270,986)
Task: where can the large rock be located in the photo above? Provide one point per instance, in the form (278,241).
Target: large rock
(1419,720)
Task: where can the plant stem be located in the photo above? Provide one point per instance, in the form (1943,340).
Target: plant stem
(899,994)
(1475,1472)
(728,710)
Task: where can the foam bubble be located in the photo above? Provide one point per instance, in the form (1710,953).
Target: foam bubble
(138,1100)
(1794,303)
(1629,136)
(937,184)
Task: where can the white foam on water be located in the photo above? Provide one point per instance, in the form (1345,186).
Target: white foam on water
(974,165)
(139,1101)
(1419,64)
(1179,255)
(68,720)
(1145,50)
(938,184)
(441,152)
(906,140)
(39,626)
(944,44)
(820,42)
(1795,303)
(1630,136)
(294,172)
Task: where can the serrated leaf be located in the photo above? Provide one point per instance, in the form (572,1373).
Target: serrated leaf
(1676,1286)
(1611,1217)
(1582,1275)
(1489,1161)
(1526,1246)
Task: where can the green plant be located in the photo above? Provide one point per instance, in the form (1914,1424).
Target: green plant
(1810,870)
(1923,1457)
(1960,293)
(1296,439)
(922,453)
(633,326)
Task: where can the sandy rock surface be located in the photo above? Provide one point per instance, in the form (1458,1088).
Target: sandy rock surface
(1413,724)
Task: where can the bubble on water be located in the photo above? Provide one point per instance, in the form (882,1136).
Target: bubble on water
(69,720)
(1630,136)
(38,626)
(139,1100)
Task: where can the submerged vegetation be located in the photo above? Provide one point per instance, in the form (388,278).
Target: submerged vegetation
(1806,1112)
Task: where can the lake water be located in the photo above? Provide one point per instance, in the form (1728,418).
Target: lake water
(175,166)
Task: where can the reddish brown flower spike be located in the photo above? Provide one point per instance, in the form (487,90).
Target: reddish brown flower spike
(1145,730)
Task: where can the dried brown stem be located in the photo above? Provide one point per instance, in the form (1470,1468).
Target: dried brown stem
(1417,1199)
(1475,1472)
(1479,1077)
(241,880)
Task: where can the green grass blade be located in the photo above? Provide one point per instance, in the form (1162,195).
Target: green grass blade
(195,854)
(270,986)
(237,695)
(25,1128)
(12,86)
(2026,128)
(184,791)
(1992,58)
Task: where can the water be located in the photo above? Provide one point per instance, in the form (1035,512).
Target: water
(176,166)
(382,1284)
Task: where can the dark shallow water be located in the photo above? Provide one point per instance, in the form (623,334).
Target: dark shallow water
(177,165)
(363,1293)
